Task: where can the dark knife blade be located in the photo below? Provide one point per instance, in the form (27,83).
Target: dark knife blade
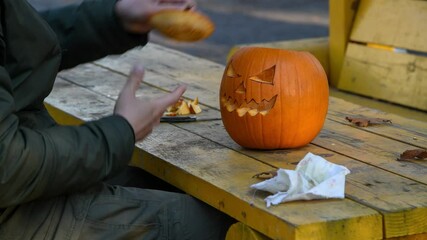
(178,119)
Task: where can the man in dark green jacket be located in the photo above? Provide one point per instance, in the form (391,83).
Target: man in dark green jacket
(51,176)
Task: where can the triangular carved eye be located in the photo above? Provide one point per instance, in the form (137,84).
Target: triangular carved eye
(230,72)
(241,89)
(266,76)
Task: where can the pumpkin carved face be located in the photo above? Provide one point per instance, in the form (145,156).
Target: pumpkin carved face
(273,98)
(239,102)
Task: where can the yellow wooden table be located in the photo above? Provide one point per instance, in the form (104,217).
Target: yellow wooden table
(385,198)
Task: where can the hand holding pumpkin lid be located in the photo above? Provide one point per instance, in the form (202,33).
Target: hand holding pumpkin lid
(187,26)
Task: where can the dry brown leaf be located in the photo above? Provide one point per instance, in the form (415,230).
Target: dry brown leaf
(325,155)
(266,175)
(364,122)
(414,154)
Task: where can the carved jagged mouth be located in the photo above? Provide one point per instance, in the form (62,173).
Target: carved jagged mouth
(252,107)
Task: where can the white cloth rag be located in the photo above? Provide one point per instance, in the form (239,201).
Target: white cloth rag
(313,178)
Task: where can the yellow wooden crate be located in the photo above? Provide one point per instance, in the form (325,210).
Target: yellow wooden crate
(386,56)
(376,48)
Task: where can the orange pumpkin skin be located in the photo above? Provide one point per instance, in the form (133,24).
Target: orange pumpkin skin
(273,98)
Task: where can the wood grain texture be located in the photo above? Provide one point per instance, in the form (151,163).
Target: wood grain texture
(103,82)
(221,177)
(335,139)
(341,15)
(370,148)
(232,173)
(220,171)
(384,191)
(240,231)
(202,77)
(379,149)
(398,78)
(401,129)
(397,23)
(421,236)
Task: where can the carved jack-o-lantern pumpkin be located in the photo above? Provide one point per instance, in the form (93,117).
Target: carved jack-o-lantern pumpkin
(272,98)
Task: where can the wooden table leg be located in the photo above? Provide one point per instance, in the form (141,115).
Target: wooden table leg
(421,236)
(240,231)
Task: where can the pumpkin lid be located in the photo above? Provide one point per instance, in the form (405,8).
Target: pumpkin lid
(188,26)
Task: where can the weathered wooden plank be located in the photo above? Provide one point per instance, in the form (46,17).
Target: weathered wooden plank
(79,103)
(402,202)
(413,132)
(158,56)
(223,177)
(421,236)
(165,68)
(379,106)
(370,148)
(106,83)
(362,190)
(398,23)
(402,129)
(387,161)
(240,231)
(398,78)
(156,59)
(341,14)
(231,171)
(60,116)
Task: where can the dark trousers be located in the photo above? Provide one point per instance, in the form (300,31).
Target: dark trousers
(130,206)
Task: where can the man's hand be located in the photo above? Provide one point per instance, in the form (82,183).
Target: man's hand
(134,14)
(143,115)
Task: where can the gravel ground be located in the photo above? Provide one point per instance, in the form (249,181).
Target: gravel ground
(244,21)
(259,21)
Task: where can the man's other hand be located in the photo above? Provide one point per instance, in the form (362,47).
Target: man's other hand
(143,115)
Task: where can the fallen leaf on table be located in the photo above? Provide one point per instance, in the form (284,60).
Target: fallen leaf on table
(325,155)
(266,175)
(364,122)
(414,154)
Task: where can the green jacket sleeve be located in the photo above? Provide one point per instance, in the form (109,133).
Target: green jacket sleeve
(90,31)
(42,163)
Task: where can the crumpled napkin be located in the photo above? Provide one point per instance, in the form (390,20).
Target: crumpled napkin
(313,178)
